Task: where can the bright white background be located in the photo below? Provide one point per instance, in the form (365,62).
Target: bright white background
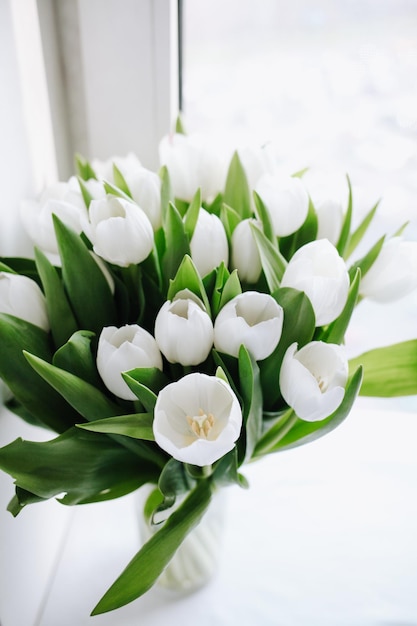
(326,535)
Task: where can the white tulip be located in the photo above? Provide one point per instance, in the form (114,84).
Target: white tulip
(119,230)
(313,380)
(393,274)
(330,217)
(193,163)
(245,254)
(197,419)
(287,201)
(208,244)
(22,297)
(123,349)
(253,319)
(184,330)
(319,271)
(256,161)
(127,165)
(144,185)
(63,200)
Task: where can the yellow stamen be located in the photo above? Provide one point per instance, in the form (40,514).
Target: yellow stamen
(201,424)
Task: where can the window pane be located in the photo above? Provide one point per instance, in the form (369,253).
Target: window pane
(330,83)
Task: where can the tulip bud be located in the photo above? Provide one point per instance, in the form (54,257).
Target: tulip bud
(120,231)
(256,161)
(318,270)
(123,349)
(208,244)
(287,202)
(313,380)
(394,272)
(193,163)
(252,319)
(145,187)
(62,199)
(245,255)
(330,217)
(197,419)
(125,164)
(21,296)
(184,330)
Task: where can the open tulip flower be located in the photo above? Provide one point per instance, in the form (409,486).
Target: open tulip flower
(193,321)
(313,379)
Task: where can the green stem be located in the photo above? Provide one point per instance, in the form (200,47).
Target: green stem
(274,435)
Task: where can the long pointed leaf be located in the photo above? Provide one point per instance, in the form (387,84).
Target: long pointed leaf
(87,288)
(135,425)
(236,193)
(78,464)
(144,569)
(273,263)
(37,397)
(251,391)
(390,371)
(61,317)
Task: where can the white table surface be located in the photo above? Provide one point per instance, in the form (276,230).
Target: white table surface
(326,535)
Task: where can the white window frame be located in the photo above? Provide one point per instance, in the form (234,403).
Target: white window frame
(112,76)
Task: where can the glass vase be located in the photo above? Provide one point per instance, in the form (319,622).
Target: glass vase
(197,559)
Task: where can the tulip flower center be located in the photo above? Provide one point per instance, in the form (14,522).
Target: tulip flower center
(201,424)
(323,383)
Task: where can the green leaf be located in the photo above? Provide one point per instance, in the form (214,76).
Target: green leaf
(273,435)
(230,219)
(264,216)
(82,465)
(299,325)
(226,471)
(166,192)
(61,317)
(135,425)
(150,377)
(144,569)
(86,399)
(179,126)
(187,277)
(120,181)
(37,398)
(251,392)
(302,432)
(18,265)
(366,262)
(145,395)
(87,197)
(191,216)
(75,356)
(273,263)
(390,371)
(177,245)
(335,332)
(87,288)
(357,236)
(300,173)
(236,193)
(83,168)
(345,232)
(113,190)
(174,480)
(91,404)
(231,289)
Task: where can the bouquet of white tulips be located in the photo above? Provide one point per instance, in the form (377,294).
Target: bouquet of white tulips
(172,327)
